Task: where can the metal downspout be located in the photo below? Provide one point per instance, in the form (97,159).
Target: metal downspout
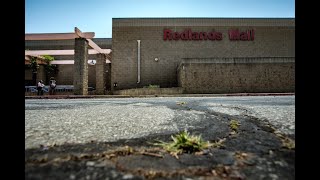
(138,61)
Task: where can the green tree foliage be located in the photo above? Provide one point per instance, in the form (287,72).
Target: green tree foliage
(34,65)
(50,69)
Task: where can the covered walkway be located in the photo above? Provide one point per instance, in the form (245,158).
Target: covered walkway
(83,47)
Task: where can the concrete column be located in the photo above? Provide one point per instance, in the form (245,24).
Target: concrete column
(80,70)
(100,74)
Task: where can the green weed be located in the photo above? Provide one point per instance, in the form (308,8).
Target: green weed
(152,86)
(289,143)
(234,125)
(181,103)
(184,142)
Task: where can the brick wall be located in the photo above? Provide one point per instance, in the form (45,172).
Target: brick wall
(65,75)
(235,75)
(273,38)
(41,74)
(28,74)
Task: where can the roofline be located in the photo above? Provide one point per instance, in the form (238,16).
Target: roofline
(197,21)
(205,18)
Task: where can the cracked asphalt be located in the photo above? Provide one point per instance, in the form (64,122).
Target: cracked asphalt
(113,138)
(59,121)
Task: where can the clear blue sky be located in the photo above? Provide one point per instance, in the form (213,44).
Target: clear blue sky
(59,16)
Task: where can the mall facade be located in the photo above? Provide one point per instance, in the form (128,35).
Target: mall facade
(200,55)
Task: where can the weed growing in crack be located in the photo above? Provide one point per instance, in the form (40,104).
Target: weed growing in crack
(234,125)
(185,143)
(181,103)
(288,143)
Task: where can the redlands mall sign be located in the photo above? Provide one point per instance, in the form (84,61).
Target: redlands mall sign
(234,35)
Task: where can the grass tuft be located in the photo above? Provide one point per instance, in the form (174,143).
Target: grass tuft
(184,143)
(181,103)
(152,86)
(288,143)
(234,125)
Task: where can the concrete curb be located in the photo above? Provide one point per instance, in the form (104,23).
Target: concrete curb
(160,95)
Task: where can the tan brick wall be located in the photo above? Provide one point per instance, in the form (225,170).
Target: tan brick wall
(100,69)
(41,74)
(108,78)
(65,75)
(28,74)
(273,38)
(244,75)
(149,91)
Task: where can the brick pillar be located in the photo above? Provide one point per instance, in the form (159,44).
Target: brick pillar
(100,74)
(108,78)
(80,70)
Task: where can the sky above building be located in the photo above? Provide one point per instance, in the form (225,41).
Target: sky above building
(61,16)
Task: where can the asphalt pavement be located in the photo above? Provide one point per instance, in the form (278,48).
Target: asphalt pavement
(59,121)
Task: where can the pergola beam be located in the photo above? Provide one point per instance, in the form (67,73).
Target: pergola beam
(62,52)
(63,36)
(57,36)
(79,33)
(95,46)
(90,42)
(70,61)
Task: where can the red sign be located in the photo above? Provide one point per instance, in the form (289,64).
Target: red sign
(235,35)
(187,34)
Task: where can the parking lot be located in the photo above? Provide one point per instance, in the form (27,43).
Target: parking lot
(49,121)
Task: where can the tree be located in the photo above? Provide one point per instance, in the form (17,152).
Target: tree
(50,69)
(34,68)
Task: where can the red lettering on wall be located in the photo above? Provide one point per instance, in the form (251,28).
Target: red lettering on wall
(203,35)
(218,36)
(195,36)
(167,34)
(234,35)
(211,36)
(243,36)
(190,34)
(176,36)
(185,35)
(252,34)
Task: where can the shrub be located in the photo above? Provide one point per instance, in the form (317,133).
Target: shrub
(152,86)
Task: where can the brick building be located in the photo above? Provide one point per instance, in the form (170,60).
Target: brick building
(201,55)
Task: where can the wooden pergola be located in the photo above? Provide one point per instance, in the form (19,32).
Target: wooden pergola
(64,36)
(80,86)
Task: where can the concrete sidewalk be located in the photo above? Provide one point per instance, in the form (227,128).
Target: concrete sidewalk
(157,95)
